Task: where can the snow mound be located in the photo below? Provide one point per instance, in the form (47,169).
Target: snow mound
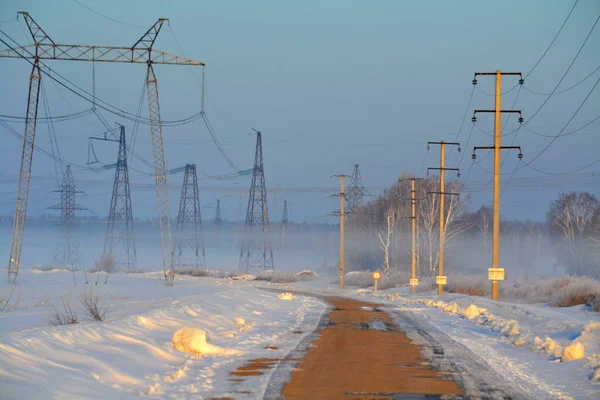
(574,351)
(195,341)
(306,275)
(473,312)
(241,324)
(286,296)
(246,277)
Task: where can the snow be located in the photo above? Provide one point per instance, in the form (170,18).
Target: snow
(195,341)
(573,351)
(511,347)
(286,296)
(132,353)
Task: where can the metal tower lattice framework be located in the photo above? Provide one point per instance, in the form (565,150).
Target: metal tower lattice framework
(67,250)
(120,239)
(355,192)
(284,217)
(142,52)
(257,252)
(189,243)
(218,220)
(284,223)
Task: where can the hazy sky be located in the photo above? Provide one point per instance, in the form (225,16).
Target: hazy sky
(329,83)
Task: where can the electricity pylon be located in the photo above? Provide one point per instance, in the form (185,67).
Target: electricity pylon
(257,252)
(441,279)
(356,191)
(119,241)
(67,250)
(341,213)
(142,52)
(218,220)
(189,243)
(284,222)
(496,274)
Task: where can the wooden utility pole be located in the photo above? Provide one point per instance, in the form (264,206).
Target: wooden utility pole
(414,282)
(496,274)
(441,279)
(342,196)
(413,275)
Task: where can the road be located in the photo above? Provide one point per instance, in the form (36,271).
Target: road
(362,355)
(365,351)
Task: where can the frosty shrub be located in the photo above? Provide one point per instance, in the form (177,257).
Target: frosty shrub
(595,304)
(94,304)
(276,276)
(426,284)
(197,272)
(306,275)
(105,263)
(564,291)
(361,279)
(472,286)
(45,268)
(65,317)
(11,302)
(396,279)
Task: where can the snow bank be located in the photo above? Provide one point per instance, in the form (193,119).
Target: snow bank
(574,351)
(286,296)
(195,341)
(514,333)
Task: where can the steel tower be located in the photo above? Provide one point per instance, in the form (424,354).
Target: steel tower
(120,240)
(257,252)
(355,192)
(189,243)
(67,250)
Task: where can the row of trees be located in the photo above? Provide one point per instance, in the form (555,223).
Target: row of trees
(380,233)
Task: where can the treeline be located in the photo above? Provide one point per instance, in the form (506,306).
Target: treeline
(567,242)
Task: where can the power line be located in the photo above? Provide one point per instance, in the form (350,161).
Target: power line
(566,72)
(567,89)
(107,17)
(553,40)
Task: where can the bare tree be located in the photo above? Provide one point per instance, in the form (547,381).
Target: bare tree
(385,234)
(483,218)
(429,214)
(573,221)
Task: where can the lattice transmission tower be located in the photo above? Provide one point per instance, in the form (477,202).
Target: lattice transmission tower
(218,220)
(67,251)
(355,192)
(257,252)
(120,240)
(142,52)
(189,243)
(284,223)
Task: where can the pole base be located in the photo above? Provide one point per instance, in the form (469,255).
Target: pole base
(496,290)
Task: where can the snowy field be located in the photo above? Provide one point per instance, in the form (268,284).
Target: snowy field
(131,352)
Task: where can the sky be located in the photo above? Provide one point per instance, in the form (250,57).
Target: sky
(330,84)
